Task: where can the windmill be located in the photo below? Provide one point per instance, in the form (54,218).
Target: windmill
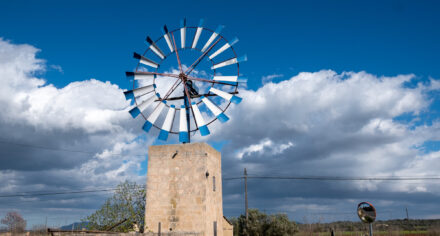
(165,87)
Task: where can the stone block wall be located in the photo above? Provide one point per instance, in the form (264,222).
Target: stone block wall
(184,190)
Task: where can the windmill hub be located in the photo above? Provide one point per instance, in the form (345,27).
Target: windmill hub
(183,76)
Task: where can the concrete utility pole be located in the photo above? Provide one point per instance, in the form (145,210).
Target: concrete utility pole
(245,195)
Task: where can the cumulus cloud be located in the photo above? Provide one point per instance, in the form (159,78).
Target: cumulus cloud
(75,137)
(315,124)
(268,78)
(329,124)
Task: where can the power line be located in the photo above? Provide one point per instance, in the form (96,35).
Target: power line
(318,178)
(56,193)
(61,149)
(336,178)
(61,193)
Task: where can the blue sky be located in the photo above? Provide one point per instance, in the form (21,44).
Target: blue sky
(96,38)
(333,86)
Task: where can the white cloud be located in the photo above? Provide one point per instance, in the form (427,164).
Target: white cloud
(89,116)
(320,123)
(268,78)
(338,125)
(261,146)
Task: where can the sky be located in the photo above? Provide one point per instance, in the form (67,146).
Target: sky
(335,88)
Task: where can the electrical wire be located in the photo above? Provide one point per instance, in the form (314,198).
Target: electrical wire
(61,193)
(319,178)
(337,178)
(61,149)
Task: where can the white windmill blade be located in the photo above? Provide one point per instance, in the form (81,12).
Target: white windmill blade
(183,125)
(182,32)
(198,33)
(231,61)
(131,94)
(153,116)
(215,110)
(141,107)
(199,120)
(223,48)
(140,75)
(225,95)
(168,38)
(240,79)
(145,61)
(155,48)
(167,124)
(213,36)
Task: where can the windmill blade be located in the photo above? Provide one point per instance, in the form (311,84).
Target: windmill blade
(199,120)
(131,94)
(155,48)
(153,116)
(230,62)
(197,35)
(225,95)
(183,126)
(213,36)
(145,61)
(215,110)
(231,79)
(139,75)
(141,107)
(182,32)
(167,38)
(167,124)
(223,48)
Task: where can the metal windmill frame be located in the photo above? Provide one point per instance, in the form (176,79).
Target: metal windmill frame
(186,79)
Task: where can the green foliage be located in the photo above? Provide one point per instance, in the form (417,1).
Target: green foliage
(261,224)
(128,202)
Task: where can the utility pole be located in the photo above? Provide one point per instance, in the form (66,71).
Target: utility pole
(407,216)
(245,195)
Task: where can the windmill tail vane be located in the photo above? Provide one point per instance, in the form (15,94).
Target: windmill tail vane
(197,98)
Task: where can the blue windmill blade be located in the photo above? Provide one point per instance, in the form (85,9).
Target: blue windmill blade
(183,126)
(182,32)
(168,38)
(231,61)
(197,34)
(225,95)
(135,111)
(223,48)
(199,120)
(213,37)
(145,61)
(153,117)
(155,48)
(215,110)
(131,94)
(140,75)
(238,79)
(167,124)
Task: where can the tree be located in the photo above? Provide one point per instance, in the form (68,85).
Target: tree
(14,222)
(261,224)
(128,202)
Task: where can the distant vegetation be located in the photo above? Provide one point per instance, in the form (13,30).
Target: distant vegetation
(14,222)
(261,224)
(388,227)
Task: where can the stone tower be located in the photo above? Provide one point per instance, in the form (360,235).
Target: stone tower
(184,190)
